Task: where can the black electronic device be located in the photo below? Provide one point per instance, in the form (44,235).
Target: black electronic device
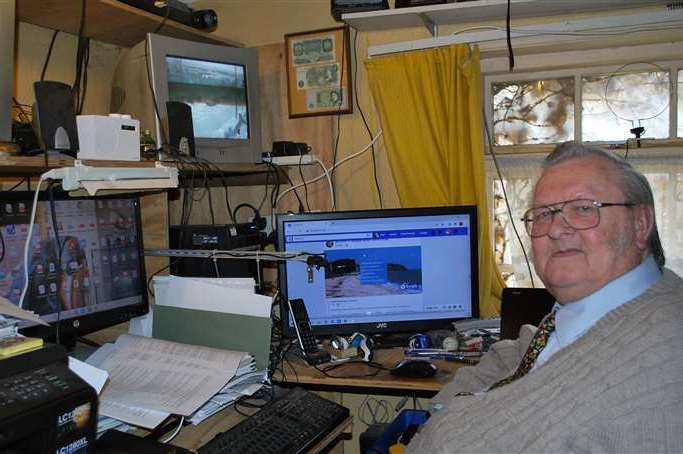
(55,117)
(286,148)
(94,279)
(205,19)
(313,354)
(523,306)
(414,368)
(339,7)
(213,238)
(44,407)
(290,424)
(406,270)
(180,130)
(410,3)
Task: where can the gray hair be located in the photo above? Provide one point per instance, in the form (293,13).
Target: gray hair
(633,184)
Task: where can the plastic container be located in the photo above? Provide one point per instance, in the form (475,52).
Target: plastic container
(402,421)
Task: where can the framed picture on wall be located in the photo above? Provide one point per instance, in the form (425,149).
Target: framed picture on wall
(319,72)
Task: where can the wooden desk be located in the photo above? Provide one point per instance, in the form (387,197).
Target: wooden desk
(347,377)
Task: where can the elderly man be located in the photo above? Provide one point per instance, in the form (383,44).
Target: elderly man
(604,371)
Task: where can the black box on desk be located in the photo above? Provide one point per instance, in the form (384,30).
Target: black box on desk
(213,237)
(44,407)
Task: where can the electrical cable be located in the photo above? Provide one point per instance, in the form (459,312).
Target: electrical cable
(376,417)
(18,184)
(675,25)
(505,196)
(303,180)
(346,159)
(149,279)
(175,433)
(82,60)
(329,180)
(362,115)
(338,135)
(508,36)
(296,193)
(163,21)
(49,54)
(2,243)
(60,245)
(28,240)
(162,130)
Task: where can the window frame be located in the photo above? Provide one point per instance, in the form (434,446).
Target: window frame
(578,72)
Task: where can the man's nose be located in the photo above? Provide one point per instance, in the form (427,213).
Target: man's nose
(559,226)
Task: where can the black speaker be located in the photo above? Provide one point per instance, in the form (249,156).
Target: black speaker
(520,306)
(54,117)
(180,129)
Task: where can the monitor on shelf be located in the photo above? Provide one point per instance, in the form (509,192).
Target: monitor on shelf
(97,279)
(219,83)
(388,271)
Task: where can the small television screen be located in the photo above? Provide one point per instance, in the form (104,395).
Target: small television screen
(216,92)
(92,279)
(386,270)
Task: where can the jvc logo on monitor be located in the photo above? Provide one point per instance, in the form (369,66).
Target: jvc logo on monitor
(381,326)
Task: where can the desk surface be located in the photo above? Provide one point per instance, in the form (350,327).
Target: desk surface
(192,437)
(349,375)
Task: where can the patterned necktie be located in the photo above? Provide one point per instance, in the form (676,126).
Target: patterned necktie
(538,343)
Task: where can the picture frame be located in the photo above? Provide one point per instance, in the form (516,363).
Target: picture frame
(319,72)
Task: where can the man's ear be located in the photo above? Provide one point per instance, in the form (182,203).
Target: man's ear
(644,222)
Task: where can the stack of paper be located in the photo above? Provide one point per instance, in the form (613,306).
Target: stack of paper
(152,378)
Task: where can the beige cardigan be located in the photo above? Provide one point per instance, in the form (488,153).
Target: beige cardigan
(618,388)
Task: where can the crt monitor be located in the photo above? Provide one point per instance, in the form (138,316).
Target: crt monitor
(387,271)
(219,83)
(93,280)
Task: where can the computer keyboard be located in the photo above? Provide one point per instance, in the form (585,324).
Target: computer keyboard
(291,423)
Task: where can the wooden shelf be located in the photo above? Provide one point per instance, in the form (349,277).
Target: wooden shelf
(235,174)
(109,21)
(481,10)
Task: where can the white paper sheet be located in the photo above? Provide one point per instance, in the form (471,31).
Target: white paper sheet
(166,376)
(225,295)
(9,309)
(90,374)
(137,416)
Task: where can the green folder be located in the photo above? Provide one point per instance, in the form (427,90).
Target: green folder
(244,333)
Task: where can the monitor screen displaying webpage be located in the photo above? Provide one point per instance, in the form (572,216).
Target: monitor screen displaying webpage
(386,270)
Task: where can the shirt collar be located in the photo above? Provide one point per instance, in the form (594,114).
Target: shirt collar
(574,319)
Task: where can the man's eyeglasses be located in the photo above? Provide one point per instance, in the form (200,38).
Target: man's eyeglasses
(579,214)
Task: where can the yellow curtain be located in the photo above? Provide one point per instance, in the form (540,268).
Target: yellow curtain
(430,107)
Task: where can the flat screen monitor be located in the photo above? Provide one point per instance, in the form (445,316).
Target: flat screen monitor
(219,83)
(387,271)
(93,280)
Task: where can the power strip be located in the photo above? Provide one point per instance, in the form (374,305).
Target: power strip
(289,160)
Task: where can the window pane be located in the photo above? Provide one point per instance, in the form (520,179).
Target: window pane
(509,255)
(538,111)
(614,104)
(680,104)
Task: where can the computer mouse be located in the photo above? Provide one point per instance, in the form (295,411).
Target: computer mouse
(414,368)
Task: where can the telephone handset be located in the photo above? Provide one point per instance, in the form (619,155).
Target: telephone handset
(302,325)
